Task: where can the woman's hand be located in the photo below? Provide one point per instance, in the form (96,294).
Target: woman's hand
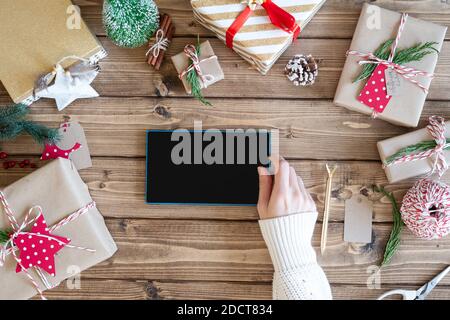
(282,194)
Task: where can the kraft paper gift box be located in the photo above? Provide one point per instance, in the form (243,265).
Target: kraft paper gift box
(406,170)
(405,108)
(35,35)
(259,41)
(209,65)
(59,190)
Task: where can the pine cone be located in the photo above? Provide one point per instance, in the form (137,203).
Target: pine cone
(302,70)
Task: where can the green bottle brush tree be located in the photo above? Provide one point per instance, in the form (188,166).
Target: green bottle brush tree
(130,23)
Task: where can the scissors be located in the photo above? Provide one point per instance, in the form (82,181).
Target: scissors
(419,294)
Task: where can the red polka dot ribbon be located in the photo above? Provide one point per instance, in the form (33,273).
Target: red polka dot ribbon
(374,94)
(38,246)
(52,151)
(436,128)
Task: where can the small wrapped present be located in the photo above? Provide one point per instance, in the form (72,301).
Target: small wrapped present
(54,230)
(258,30)
(203,62)
(421,152)
(379,77)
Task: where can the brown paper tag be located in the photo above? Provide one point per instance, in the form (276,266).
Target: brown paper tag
(393,82)
(358,219)
(71,133)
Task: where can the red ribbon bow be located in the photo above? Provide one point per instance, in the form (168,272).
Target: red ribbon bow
(278,16)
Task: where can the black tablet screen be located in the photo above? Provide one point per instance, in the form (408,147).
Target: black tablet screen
(205,167)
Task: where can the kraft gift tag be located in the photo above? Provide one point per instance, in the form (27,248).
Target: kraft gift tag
(72,133)
(358,219)
(393,82)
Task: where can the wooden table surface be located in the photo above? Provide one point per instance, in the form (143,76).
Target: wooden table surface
(189,252)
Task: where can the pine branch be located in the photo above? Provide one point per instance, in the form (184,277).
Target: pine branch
(193,79)
(13,112)
(40,133)
(394,238)
(413,149)
(13,123)
(414,53)
(4,236)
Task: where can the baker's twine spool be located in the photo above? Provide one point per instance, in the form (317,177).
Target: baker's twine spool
(426,209)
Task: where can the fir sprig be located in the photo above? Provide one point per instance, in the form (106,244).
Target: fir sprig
(4,236)
(13,123)
(194,81)
(414,53)
(394,238)
(413,149)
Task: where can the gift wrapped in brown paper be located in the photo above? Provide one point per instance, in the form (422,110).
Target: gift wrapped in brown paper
(206,65)
(260,40)
(402,106)
(417,153)
(59,191)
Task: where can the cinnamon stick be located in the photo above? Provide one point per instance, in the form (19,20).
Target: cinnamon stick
(163,26)
(169,36)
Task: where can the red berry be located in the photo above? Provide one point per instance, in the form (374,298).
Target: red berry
(3,155)
(26,162)
(6,165)
(11,164)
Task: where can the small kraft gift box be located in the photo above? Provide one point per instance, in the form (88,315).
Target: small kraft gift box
(418,153)
(54,229)
(390,66)
(205,64)
(258,30)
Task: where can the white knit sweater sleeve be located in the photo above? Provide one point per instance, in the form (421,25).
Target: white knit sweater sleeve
(297,275)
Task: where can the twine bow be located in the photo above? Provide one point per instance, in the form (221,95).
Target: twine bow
(162,43)
(252,4)
(19,229)
(408,73)
(191,53)
(436,128)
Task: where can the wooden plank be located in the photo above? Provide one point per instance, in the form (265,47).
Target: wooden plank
(307,129)
(336,19)
(118,185)
(95,289)
(126,73)
(173,250)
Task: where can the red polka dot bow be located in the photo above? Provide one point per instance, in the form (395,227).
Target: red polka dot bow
(38,246)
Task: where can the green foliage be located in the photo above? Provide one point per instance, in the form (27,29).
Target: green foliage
(394,238)
(130,23)
(414,53)
(194,82)
(413,149)
(4,236)
(13,123)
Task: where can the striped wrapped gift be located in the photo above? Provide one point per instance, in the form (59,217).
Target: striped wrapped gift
(259,41)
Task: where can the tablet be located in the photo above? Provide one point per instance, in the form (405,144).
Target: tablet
(205,167)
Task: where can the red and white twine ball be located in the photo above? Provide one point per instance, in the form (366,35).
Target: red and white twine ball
(426,209)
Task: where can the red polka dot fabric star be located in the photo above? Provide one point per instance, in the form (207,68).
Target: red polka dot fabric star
(374,93)
(38,247)
(52,151)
